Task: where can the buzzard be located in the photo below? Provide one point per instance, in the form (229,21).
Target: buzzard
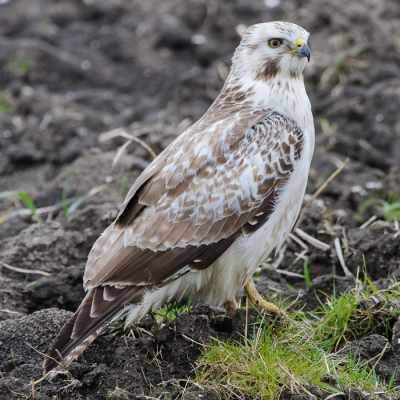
(212,206)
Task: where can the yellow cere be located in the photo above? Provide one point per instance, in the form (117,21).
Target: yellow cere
(300,42)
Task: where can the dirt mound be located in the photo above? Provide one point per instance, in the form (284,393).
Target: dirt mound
(161,358)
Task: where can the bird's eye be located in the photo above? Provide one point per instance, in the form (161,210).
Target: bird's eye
(275,43)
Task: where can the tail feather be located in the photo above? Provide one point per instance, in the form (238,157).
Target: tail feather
(88,322)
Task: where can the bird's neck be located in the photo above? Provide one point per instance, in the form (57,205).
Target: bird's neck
(283,94)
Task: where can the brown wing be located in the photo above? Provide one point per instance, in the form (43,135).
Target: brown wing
(195,204)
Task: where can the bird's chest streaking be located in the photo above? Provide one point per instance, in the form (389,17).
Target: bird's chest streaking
(255,248)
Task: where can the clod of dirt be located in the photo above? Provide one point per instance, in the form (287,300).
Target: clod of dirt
(36,329)
(380,249)
(378,353)
(47,248)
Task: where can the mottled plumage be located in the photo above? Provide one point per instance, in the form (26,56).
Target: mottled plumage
(215,202)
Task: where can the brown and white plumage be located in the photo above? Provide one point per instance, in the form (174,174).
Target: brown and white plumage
(214,203)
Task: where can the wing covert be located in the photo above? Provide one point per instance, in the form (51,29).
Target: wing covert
(194,202)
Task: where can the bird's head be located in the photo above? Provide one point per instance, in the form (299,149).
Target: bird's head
(271,49)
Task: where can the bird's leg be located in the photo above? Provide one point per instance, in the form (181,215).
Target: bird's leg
(231,307)
(256,299)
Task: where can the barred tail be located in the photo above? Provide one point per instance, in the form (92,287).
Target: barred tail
(101,305)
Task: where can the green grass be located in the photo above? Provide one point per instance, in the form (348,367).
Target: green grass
(84,358)
(326,126)
(352,315)
(5,106)
(303,356)
(322,178)
(274,359)
(117,329)
(387,204)
(175,308)
(68,210)
(390,207)
(168,312)
(17,67)
(260,368)
(306,272)
(290,287)
(26,199)
(28,202)
(363,206)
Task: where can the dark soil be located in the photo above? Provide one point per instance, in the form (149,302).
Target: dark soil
(71,70)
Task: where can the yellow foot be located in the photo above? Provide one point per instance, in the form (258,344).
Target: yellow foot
(256,299)
(231,307)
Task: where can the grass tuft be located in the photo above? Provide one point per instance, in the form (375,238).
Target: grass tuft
(28,202)
(118,329)
(274,359)
(175,308)
(5,106)
(168,312)
(390,208)
(388,205)
(352,315)
(278,361)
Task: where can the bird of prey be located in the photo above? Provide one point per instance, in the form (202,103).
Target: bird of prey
(212,206)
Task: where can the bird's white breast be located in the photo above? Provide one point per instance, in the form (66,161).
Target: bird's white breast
(223,279)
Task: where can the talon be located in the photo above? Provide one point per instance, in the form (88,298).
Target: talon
(231,307)
(257,300)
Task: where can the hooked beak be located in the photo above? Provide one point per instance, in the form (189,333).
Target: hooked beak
(302,49)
